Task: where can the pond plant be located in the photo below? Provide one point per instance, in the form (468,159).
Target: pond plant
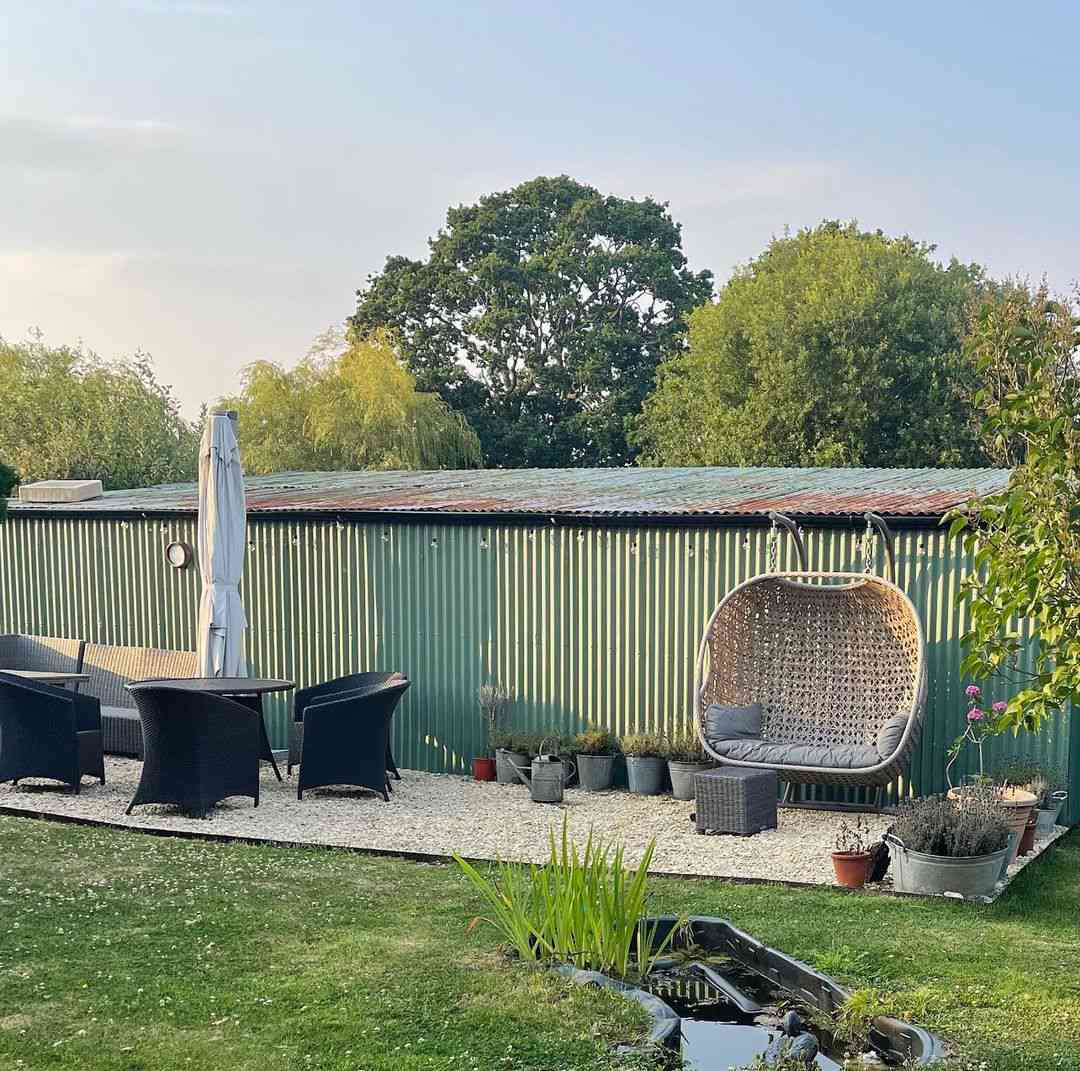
(583,906)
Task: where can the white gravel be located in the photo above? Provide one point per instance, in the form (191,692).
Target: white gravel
(439,814)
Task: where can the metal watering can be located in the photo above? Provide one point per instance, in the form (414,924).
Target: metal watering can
(546,778)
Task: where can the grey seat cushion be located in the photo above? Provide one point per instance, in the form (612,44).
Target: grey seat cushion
(837,757)
(121,731)
(732,723)
(890,734)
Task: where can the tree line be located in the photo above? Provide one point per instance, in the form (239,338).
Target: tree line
(552,325)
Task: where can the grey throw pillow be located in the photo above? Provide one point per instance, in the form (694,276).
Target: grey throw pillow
(733,723)
(888,737)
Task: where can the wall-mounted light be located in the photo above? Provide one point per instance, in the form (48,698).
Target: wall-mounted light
(179,554)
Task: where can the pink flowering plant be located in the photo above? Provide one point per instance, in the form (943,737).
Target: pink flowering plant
(979,725)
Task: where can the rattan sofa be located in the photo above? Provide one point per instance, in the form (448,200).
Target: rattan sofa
(51,654)
(111,669)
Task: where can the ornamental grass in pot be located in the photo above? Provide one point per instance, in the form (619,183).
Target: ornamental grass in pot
(686,759)
(646,762)
(595,751)
(1046,783)
(940,845)
(854,852)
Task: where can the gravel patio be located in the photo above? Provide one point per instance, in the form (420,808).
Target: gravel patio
(440,814)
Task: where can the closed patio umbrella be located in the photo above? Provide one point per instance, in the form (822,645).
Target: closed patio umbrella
(222,543)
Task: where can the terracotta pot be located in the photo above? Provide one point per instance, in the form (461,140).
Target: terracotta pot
(851,868)
(483,769)
(1027,841)
(1018,805)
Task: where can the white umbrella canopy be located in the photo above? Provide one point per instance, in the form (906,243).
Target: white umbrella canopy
(222,544)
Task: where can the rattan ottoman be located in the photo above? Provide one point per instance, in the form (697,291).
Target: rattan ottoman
(735,799)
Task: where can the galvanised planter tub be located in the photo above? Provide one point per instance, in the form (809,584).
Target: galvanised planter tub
(505,763)
(972,878)
(594,772)
(645,775)
(682,777)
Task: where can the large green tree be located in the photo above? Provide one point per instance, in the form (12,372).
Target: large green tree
(66,413)
(1026,540)
(541,314)
(347,405)
(834,347)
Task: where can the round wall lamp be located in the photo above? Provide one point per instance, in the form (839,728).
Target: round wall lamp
(179,554)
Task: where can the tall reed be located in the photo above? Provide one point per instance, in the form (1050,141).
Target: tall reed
(582,906)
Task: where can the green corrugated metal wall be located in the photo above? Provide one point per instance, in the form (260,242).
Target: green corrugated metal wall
(585,625)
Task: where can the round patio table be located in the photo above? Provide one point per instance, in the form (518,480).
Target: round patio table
(246,690)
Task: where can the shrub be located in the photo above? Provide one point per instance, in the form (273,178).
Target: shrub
(643,746)
(8,479)
(686,747)
(594,742)
(1042,779)
(936,825)
(580,907)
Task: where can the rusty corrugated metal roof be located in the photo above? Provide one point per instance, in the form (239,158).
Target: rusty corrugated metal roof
(569,493)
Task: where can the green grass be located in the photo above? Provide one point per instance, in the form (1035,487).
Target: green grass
(123,952)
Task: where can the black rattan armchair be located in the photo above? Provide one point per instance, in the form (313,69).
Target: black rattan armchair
(346,737)
(354,683)
(198,748)
(48,732)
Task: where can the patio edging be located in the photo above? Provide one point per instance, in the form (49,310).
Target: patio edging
(433,858)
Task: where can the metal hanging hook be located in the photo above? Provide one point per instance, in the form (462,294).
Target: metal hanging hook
(874,520)
(793,530)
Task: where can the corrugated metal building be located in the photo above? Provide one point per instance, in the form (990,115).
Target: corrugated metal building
(584,591)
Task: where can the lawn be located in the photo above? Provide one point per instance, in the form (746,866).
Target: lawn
(129,952)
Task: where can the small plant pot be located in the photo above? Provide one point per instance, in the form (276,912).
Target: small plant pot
(645,775)
(851,868)
(1048,816)
(594,772)
(505,761)
(682,777)
(483,769)
(1027,838)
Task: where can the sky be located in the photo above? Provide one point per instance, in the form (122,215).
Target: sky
(210,181)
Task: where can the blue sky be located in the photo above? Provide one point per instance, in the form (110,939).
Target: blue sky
(211,180)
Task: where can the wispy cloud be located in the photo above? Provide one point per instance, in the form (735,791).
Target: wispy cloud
(31,143)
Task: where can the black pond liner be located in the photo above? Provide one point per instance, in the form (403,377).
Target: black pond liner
(895,1041)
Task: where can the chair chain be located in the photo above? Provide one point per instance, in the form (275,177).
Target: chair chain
(774,547)
(868,549)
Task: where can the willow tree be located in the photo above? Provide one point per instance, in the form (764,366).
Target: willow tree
(349,404)
(67,413)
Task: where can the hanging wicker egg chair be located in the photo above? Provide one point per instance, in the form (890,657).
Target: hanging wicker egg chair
(818,676)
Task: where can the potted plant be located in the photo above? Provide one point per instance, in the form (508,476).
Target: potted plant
(1016,803)
(854,851)
(493,699)
(595,751)
(1047,785)
(646,760)
(686,759)
(941,845)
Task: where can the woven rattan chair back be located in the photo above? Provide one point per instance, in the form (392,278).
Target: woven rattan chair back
(831,657)
(112,669)
(50,653)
